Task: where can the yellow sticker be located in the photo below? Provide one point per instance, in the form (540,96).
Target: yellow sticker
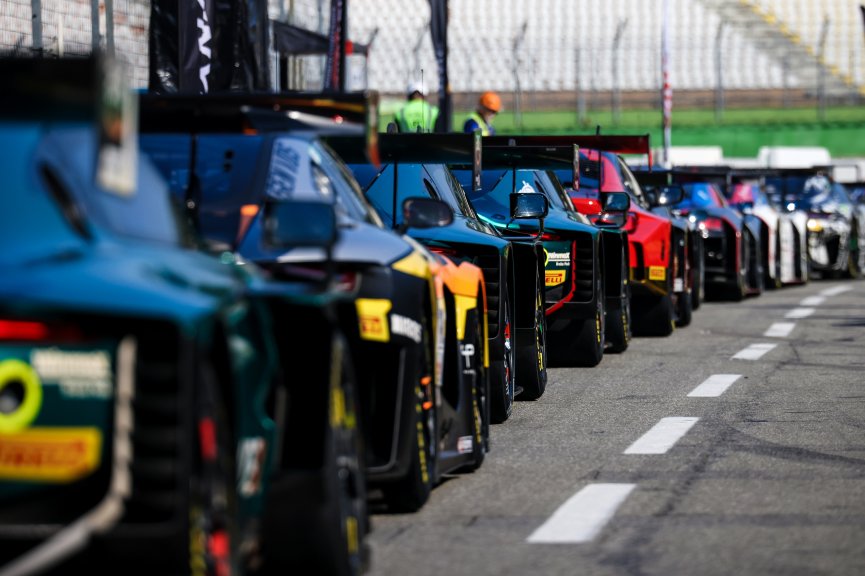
(657,273)
(17,372)
(414,265)
(50,454)
(372,317)
(554,277)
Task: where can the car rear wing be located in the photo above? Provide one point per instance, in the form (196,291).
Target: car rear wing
(323,113)
(462,150)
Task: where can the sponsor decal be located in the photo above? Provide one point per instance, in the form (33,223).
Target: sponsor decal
(250,459)
(468,352)
(407,327)
(657,273)
(78,374)
(372,319)
(465,444)
(50,454)
(678,285)
(554,277)
(558,259)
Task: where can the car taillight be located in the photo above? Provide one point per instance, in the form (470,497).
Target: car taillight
(29,331)
(630,223)
(546,236)
(444,251)
(346,282)
(715,224)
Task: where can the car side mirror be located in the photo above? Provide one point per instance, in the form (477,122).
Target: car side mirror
(290,224)
(670,195)
(528,205)
(422,212)
(614,212)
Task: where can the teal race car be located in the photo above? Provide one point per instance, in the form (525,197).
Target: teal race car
(145,399)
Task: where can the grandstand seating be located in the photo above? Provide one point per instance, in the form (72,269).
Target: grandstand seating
(568,44)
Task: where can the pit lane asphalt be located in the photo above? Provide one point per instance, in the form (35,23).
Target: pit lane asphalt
(770,479)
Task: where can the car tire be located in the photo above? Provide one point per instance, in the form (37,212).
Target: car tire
(657,317)
(683,309)
(411,492)
(582,342)
(853,269)
(532,359)
(480,428)
(617,332)
(213,538)
(502,382)
(318,518)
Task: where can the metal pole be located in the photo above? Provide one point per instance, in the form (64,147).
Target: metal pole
(94,24)
(821,70)
(517,44)
(666,90)
(109,27)
(617,38)
(719,75)
(36,23)
(581,94)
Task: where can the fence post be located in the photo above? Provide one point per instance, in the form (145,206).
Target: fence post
(109,26)
(617,39)
(94,25)
(36,23)
(719,73)
(821,70)
(517,44)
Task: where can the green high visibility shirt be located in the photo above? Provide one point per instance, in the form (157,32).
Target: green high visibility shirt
(417,116)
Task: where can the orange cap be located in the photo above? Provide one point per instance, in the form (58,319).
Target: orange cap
(491,100)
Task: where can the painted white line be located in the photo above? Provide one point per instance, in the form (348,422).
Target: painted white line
(662,436)
(812,301)
(583,515)
(714,385)
(780,329)
(799,313)
(835,290)
(753,352)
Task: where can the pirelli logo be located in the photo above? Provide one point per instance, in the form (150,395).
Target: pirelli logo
(657,273)
(372,319)
(554,277)
(50,454)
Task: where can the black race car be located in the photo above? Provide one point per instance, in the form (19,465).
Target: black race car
(421,379)
(418,165)
(585,266)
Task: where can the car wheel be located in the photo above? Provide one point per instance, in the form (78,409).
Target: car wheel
(318,518)
(213,500)
(532,360)
(411,492)
(656,317)
(582,343)
(502,381)
(683,309)
(698,280)
(854,269)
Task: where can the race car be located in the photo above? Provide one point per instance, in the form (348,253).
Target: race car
(733,263)
(836,229)
(141,380)
(415,322)
(783,232)
(585,265)
(659,255)
(417,165)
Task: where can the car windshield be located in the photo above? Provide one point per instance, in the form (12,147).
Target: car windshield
(700,195)
(808,192)
(143,213)
(381,194)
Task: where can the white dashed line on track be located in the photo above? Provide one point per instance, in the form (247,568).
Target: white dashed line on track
(779,330)
(753,352)
(662,436)
(812,301)
(583,515)
(799,313)
(714,385)
(835,290)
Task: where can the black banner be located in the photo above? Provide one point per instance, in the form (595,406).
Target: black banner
(334,71)
(439,33)
(200,46)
